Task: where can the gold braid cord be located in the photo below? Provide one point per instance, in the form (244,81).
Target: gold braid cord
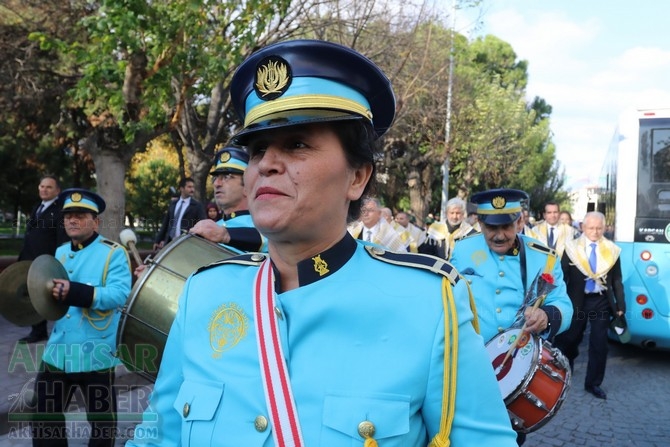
(441,439)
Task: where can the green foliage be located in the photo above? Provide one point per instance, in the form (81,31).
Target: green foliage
(148,191)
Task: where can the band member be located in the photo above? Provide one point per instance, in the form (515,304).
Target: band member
(326,340)
(236,228)
(500,264)
(80,350)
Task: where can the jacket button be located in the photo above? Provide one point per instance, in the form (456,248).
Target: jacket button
(257,257)
(366,429)
(498,310)
(501,329)
(71,255)
(261,423)
(278,313)
(187,409)
(497,291)
(501,274)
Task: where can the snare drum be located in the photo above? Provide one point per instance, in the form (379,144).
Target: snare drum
(152,304)
(533,381)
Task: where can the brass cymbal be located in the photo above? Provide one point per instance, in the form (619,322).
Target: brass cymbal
(15,303)
(42,272)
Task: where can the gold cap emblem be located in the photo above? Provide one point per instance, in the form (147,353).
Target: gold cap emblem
(273,78)
(225,157)
(498,202)
(76,197)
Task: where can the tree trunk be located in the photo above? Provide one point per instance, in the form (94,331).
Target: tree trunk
(112,160)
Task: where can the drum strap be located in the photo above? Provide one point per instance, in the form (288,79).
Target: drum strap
(276,382)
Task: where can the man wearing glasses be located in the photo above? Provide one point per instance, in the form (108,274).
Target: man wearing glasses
(372,228)
(235,229)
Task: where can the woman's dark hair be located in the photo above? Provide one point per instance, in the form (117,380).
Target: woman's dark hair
(359,142)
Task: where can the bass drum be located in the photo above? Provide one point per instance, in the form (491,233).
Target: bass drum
(533,381)
(152,305)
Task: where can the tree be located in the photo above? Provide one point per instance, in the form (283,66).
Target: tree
(147,68)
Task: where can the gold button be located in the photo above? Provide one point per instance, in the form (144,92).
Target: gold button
(366,429)
(257,257)
(378,251)
(498,310)
(469,281)
(501,274)
(187,409)
(497,291)
(278,312)
(261,423)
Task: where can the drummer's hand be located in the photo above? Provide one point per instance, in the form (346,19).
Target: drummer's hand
(159,245)
(209,229)
(139,270)
(61,289)
(537,320)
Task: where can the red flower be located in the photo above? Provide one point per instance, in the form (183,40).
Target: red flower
(548,278)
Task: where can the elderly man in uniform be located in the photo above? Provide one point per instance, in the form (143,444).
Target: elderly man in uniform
(236,228)
(593,276)
(80,351)
(326,340)
(441,236)
(500,264)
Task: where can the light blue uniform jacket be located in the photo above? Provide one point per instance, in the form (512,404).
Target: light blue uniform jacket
(496,284)
(365,342)
(85,338)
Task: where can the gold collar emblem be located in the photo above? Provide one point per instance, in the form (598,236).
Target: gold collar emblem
(320,266)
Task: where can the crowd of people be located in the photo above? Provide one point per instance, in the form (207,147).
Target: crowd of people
(338,322)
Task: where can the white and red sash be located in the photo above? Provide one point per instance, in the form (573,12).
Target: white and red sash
(276,382)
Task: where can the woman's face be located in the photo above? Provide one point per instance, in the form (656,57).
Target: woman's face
(211,213)
(299,184)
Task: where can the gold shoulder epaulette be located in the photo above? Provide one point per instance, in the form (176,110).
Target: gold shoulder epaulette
(541,247)
(243,259)
(416,260)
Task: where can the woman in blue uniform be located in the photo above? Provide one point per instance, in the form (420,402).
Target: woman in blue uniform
(326,340)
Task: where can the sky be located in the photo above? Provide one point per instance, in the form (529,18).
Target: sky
(590,60)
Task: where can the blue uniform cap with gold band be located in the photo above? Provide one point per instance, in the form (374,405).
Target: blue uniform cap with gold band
(499,206)
(230,160)
(304,81)
(78,200)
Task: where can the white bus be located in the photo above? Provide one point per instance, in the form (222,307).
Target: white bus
(634,195)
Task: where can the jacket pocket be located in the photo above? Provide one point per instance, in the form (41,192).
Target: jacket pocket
(389,415)
(197,403)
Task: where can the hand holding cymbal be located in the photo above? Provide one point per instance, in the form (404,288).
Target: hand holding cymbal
(43,270)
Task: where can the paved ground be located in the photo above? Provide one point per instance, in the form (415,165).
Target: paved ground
(636,413)
(17,375)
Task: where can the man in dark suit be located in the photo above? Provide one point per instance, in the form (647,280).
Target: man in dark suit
(182,214)
(592,272)
(44,233)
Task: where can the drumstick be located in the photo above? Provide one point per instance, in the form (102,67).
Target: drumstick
(128,239)
(523,329)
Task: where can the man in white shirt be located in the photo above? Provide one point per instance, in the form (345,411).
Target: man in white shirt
(551,232)
(372,228)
